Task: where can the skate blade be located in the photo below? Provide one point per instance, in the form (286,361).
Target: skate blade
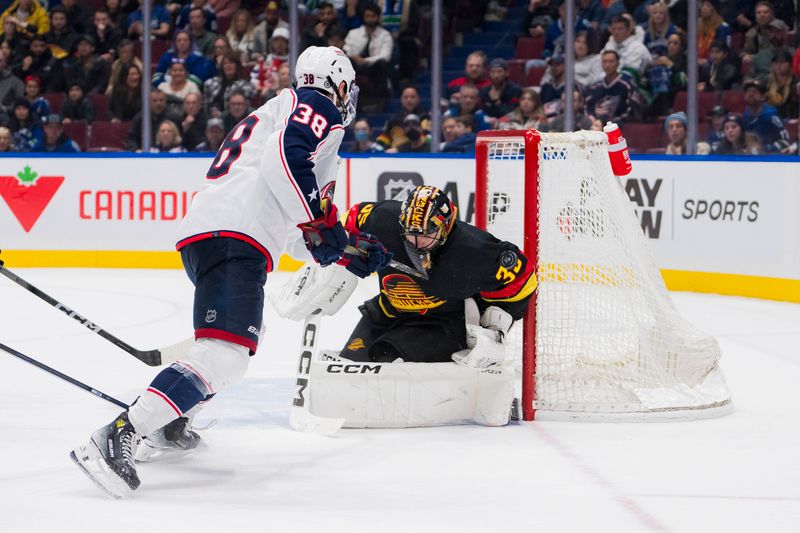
(147,452)
(90,461)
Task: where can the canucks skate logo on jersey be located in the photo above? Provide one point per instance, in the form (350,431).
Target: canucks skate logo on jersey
(211,316)
(406,296)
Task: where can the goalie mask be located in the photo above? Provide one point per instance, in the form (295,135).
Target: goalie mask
(426,219)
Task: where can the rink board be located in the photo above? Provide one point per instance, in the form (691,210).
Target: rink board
(715,225)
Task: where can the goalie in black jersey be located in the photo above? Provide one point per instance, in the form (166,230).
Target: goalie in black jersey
(423,320)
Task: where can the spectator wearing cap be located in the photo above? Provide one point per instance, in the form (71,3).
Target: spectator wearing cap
(552,85)
(763,120)
(198,67)
(633,54)
(761,63)
(473,74)
(209,18)
(272,21)
(613,98)
(26,129)
(159,22)
(241,36)
(39,61)
(710,28)
(219,89)
(735,140)
(76,106)
(28,17)
(61,37)
(5,140)
(675,126)
(125,102)
(783,86)
(214,134)
(202,38)
(370,50)
(40,107)
(178,86)
(86,67)
(716,118)
(502,96)
(318,33)
(362,139)
(54,138)
(468,100)
(106,37)
(264,77)
(417,141)
(11,87)
(720,72)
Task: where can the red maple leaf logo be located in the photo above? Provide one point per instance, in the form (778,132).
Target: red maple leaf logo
(27,194)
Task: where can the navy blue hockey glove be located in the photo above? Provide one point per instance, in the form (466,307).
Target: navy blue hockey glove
(365,255)
(325,237)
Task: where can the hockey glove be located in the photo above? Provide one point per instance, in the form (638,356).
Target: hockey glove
(324,236)
(365,255)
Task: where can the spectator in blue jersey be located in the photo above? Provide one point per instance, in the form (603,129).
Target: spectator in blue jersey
(54,138)
(591,13)
(613,98)
(362,139)
(658,27)
(199,67)
(26,130)
(554,35)
(468,100)
(209,18)
(502,96)
(763,119)
(464,142)
(159,22)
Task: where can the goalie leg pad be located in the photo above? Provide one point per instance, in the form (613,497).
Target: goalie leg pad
(313,287)
(401,395)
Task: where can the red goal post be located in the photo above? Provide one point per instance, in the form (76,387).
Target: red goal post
(601,339)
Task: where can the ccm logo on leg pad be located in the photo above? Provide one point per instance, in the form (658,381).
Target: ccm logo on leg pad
(352,369)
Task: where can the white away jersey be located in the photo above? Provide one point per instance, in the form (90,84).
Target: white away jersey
(269,173)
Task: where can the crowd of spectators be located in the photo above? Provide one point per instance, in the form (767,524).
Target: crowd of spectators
(65,63)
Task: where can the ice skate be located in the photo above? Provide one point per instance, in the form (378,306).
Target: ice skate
(173,440)
(108,457)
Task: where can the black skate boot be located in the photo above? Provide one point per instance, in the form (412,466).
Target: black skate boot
(108,457)
(175,439)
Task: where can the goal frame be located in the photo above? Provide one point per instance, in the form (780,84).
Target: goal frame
(531,140)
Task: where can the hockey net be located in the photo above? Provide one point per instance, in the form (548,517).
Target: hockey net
(602,338)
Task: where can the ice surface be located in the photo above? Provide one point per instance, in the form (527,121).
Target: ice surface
(738,473)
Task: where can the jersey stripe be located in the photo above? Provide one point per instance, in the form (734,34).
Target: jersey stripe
(515,291)
(165,398)
(231,235)
(211,333)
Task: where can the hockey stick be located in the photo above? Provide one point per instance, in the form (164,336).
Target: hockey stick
(157,357)
(300,418)
(63,376)
(397,265)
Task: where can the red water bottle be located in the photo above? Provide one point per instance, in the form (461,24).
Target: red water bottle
(617,150)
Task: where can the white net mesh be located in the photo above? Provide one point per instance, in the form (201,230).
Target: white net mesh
(608,337)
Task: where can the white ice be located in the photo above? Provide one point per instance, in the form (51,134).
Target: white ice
(738,473)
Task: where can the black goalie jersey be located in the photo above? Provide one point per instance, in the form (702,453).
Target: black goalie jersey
(470,263)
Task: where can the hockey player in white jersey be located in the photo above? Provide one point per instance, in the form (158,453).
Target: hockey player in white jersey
(268,190)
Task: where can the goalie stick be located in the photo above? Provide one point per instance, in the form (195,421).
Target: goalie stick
(300,418)
(156,357)
(63,376)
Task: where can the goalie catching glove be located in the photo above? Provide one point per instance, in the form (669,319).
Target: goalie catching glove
(327,240)
(484,336)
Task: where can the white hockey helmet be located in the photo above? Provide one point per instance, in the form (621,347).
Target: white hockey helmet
(326,68)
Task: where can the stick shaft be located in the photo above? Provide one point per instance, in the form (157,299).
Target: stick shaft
(63,376)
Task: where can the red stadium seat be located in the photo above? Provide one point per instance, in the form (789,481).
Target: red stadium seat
(516,71)
(642,137)
(56,100)
(733,101)
(106,134)
(534,76)
(77,132)
(737,40)
(529,48)
(100,105)
(705,102)
(157,49)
